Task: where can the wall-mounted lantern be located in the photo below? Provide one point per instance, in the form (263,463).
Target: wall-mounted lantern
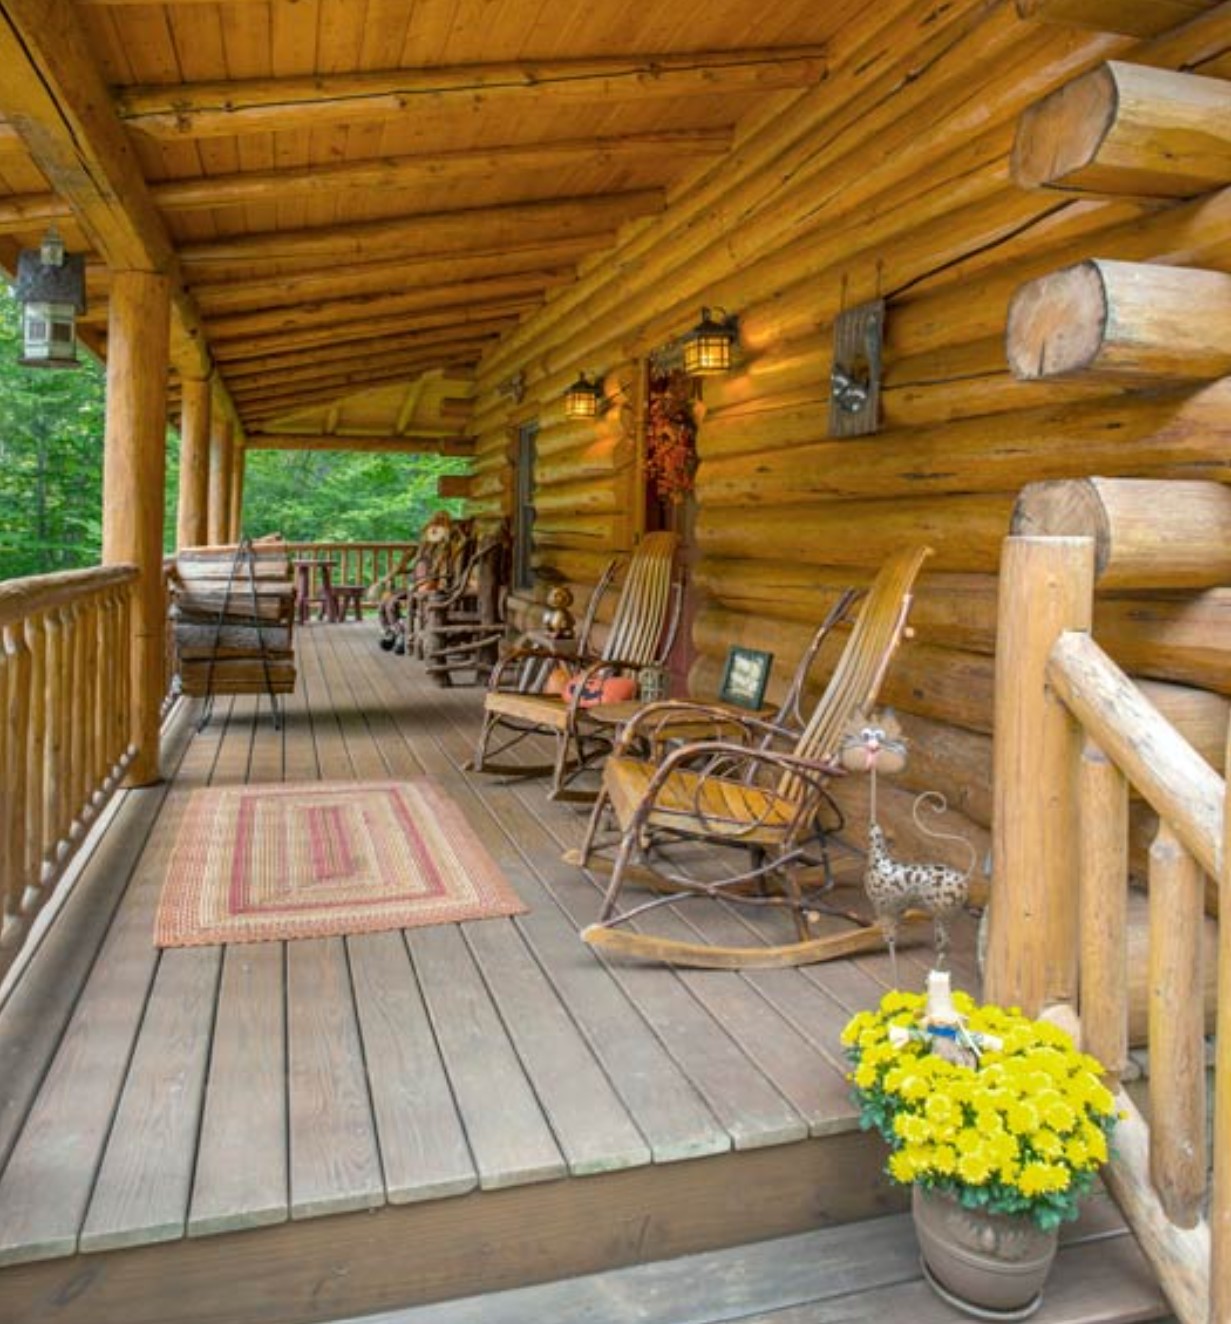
(51,290)
(709,346)
(583,398)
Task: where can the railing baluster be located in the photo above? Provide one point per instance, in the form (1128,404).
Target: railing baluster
(1178,1160)
(10,925)
(36,752)
(1103,920)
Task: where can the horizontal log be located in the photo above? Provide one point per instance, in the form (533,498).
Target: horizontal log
(1134,18)
(242,290)
(964,531)
(1126,128)
(478,164)
(1122,319)
(1180,431)
(298,441)
(601,461)
(1147,534)
(440,233)
(21,598)
(454,486)
(1181,637)
(276,105)
(573,498)
(495,483)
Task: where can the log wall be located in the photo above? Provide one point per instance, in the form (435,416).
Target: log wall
(892,177)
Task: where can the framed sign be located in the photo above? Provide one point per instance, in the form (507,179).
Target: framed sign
(745,676)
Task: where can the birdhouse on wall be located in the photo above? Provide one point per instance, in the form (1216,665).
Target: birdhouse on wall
(51,290)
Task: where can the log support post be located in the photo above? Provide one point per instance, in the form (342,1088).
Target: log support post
(134,471)
(1046,588)
(1220,1199)
(219,514)
(192,526)
(239,457)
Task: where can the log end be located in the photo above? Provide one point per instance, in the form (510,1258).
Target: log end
(1064,508)
(1060,135)
(1057,323)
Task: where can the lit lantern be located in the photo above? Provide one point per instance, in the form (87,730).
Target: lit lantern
(583,398)
(51,289)
(707,347)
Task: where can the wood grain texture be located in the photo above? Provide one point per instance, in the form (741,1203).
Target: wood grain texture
(241,1175)
(423,1145)
(334,1159)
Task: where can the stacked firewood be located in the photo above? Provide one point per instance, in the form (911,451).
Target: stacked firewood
(233,612)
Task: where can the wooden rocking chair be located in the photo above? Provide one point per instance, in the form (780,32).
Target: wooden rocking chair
(641,634)
(746,793)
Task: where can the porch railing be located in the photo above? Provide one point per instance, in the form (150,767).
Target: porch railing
(1074,736)
(64,738)
(353,562)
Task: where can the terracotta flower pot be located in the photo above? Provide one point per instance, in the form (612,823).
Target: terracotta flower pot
(991,1266)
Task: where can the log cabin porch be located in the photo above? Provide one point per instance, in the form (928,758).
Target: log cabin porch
(330,1127)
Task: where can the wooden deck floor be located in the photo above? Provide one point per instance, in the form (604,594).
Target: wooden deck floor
(181,1132)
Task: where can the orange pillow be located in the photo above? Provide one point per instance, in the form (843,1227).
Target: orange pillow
(558,681)
(612,689)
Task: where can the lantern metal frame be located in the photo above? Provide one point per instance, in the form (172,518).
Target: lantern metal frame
(709,348)
(584,398)
(50,287)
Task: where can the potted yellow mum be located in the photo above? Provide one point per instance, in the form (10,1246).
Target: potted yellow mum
(997,1122)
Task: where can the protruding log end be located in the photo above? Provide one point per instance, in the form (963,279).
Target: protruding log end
(1060,135)
(1057,323)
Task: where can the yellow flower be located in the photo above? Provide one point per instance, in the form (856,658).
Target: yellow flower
(1042,1178)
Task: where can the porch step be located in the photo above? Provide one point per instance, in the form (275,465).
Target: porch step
(858,1271)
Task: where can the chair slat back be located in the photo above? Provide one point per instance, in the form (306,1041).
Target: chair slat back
(857,679)
(640,630)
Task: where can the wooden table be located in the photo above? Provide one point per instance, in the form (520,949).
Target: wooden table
(304,567)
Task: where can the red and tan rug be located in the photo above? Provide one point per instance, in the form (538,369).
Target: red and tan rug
(314,859)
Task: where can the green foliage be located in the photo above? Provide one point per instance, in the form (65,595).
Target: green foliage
(332,496)
(51,459)
(51,474)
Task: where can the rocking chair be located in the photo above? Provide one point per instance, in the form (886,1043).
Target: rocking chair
(518,701)
(746,793)
(463,624)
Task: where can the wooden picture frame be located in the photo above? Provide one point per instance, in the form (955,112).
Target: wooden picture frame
(745,676)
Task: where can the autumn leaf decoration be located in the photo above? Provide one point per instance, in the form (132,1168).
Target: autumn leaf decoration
(671,436)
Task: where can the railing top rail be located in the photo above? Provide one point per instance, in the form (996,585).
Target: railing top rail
(20,598)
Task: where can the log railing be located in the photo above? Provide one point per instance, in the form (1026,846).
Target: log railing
(65,698)
(1074,738)
(353,562)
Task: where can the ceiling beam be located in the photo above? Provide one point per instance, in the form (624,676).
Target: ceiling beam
(311,373)
(334,383)
(352,278)
(283,401)
(438,233)
(300,441)
(413,172)
(487,295)
(228,351)
(54,96)
(323,355)
(279,105)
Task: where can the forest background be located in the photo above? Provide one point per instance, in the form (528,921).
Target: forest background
(51,474)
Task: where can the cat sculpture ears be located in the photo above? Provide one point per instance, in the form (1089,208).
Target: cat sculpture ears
(873,742)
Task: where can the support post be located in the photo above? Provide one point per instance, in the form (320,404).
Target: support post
(1220,1196)
(1046,587)
(134,470)
(219,516)
(192,526)
(239,458)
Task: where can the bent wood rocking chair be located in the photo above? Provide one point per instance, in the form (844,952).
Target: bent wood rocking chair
(641,634)
(748,794)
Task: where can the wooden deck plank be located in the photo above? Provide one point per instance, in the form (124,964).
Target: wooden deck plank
(590,1123)
(666,1107)
(241,1176)
(509,1138)
(41,1003)
(422,1143)
(141,1194)
(47,1182)
(334,1160)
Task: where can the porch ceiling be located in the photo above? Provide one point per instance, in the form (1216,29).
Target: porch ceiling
(354,197)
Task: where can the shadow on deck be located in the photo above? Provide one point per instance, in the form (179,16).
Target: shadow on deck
(302,1131)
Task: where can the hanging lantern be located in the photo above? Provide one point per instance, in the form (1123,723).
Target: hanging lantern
(708,346)
(582,399)
(51,289)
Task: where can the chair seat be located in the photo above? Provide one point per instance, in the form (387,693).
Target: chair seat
(548,710)
(688,801)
